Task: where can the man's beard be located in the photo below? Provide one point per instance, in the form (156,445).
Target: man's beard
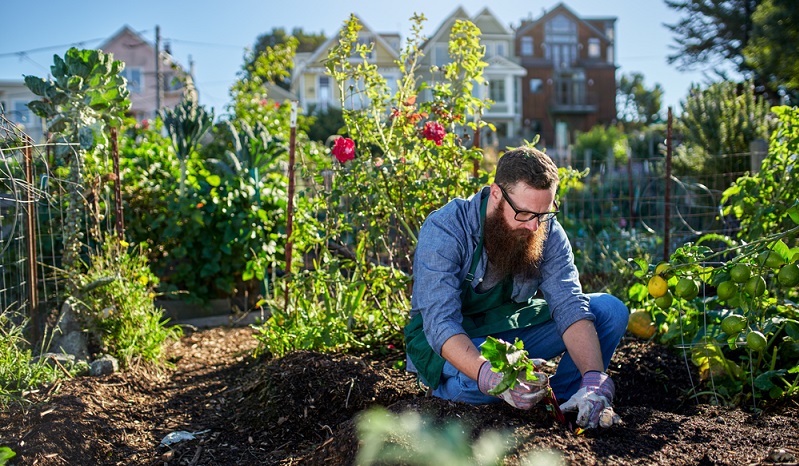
(513,252)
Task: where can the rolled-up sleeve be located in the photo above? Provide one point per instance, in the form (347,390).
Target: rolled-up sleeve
(560,281)
(444,246)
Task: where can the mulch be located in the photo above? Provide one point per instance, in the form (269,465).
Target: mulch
(304,409)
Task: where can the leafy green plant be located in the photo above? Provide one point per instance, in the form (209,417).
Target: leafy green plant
(116,302)
(20,370)
(85,95)
(408,438)
(338,305)
(6,454)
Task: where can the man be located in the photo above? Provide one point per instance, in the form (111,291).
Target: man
(478,266)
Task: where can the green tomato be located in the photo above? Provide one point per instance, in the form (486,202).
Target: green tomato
(727,290)
(686,289)
(755,286)
(733,324)
(788,276)
(740,273)
(756,341)
(770,259)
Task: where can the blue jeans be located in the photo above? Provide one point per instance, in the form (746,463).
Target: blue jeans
(543,341)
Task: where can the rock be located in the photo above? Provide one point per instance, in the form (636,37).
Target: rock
(68,336)
(106,365)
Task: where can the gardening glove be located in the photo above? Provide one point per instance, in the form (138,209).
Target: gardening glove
(593,401)
(524,395)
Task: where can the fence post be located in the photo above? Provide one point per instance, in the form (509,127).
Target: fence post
(667,195)
(290,206)
(120,221)
(758,150)
(30,220)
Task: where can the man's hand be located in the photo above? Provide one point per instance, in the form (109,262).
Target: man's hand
(594,401)
(524,395)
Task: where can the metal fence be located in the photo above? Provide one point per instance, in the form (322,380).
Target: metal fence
(624,209)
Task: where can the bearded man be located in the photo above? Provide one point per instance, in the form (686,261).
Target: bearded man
(499,264)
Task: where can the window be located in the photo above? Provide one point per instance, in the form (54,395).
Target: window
(324,92)
(21,113)
(441,56)
(496,90)
(561,39)
(536,85)
(135,79)
(593,48)
(501,50)
(527,46)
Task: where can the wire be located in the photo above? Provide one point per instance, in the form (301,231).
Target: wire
(49,47)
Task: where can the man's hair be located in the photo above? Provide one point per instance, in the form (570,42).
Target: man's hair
(529,165)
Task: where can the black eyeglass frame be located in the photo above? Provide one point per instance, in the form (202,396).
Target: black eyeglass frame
(542,217)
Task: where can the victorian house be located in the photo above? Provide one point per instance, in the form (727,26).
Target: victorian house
(570,84)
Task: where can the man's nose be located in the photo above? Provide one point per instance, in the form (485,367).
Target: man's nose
(532,225)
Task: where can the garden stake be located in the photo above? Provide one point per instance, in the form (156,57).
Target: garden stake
(290,206)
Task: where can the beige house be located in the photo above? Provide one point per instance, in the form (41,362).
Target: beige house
(14,98)
(148,93)
(316,89)
(503,73)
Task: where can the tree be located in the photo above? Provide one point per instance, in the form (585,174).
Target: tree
(775,35)
(306,42)
(638,106)
(719,121)
(712,32)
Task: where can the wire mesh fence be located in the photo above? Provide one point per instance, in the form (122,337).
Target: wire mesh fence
(624,209)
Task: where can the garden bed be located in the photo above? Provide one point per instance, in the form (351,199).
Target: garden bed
(301,409)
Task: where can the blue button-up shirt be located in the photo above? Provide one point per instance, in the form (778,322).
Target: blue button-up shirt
(443,257)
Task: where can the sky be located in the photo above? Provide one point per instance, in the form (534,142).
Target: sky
(214,34)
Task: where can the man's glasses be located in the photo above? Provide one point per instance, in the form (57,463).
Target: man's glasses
(526,216)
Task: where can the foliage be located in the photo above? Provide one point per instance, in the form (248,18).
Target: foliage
(186,124)
(774,30)
(719,121)
(407,438)
(6,454)
(338,305)
(761,201)
(711,32)
(267,43)
(601,141)
(638,106)
(86,95)
(217,238)
(20,371)
(739,278)
(116,302)
(358,216)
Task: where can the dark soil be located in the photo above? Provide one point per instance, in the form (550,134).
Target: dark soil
(302,409)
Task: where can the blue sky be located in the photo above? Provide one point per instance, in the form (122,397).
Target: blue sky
(213,34)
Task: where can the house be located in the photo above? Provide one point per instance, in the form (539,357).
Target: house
(570,84)
(147,94)
(503,73)
(14,98)
(317,90)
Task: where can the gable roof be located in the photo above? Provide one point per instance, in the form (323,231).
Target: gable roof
(140,41)
(446,26)
(324,48)
(561,8)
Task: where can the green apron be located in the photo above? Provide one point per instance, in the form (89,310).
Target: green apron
(483,314)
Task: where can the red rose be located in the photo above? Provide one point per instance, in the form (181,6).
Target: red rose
(434,132)
(344,149)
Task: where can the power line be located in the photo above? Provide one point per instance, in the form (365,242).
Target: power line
(206,44)
(50,47)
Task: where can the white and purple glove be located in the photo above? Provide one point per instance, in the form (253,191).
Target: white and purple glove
(524,395)
(594,401)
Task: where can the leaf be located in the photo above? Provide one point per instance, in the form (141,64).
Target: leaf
(763,381)
(793,212)
(643,267)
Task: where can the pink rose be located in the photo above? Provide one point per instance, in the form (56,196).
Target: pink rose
(344,149)
(434,132)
